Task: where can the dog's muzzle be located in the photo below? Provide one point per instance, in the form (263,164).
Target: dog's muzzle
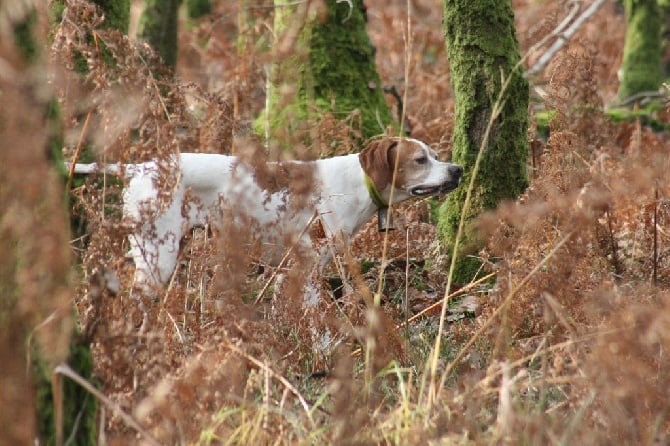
(454,175)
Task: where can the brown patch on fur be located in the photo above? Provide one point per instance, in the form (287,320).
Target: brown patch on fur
(377,161)
(296,177)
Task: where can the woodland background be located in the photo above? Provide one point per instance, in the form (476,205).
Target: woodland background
(565,343)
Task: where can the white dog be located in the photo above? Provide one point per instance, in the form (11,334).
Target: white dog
(342,193)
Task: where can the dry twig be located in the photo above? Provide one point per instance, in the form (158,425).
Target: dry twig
(66,370)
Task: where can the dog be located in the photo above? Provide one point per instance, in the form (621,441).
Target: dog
(341,194)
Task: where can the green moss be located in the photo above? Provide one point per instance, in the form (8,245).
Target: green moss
(642,50)
(332,71)
(158,26)
(647,115)
(56,9)
(481,47)
(198,8)
(542,120)
(117,14)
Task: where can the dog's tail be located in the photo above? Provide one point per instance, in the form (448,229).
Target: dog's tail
(86,169)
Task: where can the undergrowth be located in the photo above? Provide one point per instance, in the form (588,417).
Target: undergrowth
(565,342)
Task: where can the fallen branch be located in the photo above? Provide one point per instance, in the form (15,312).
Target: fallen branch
(641,97)
(449,297)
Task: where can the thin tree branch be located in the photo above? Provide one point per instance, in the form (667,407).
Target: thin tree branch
(563,37)
(641,97)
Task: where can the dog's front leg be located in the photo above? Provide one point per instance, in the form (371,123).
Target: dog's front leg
(154,259)
(154,247)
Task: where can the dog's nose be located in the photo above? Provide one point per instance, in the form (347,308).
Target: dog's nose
(456,170)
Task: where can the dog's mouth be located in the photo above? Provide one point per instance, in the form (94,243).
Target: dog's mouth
(444,188)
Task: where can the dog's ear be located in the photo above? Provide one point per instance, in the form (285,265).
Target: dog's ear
(377,161)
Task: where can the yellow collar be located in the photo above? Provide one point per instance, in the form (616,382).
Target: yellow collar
(375,195)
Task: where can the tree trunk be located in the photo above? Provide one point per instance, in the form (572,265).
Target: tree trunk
(34,237)
(642,50)
(482,47)
(158,26)
(327,65)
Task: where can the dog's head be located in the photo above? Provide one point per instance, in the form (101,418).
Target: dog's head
(418,171)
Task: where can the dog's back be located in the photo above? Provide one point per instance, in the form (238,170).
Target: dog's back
(207,189)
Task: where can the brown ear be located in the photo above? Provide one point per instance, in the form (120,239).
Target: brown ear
(377,161)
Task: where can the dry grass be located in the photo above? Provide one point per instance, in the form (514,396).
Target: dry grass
(567,345)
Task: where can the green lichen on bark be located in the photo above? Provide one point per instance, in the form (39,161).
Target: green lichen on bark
(482,48)
(158,26)
(642,50)
(331,69)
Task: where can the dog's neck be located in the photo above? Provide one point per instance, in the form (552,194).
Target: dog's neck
(375,194)
(344,179)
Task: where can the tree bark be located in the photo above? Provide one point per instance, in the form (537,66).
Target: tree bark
(158,26)
(482,48)
(326,65)
(642,50)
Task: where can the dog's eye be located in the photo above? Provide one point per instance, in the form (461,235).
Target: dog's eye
(422,160)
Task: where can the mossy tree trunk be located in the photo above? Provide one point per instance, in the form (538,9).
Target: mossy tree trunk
(326,65)
(158,26)
(642,50)
(482,47)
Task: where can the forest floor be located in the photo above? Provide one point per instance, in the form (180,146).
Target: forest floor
(565,343)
